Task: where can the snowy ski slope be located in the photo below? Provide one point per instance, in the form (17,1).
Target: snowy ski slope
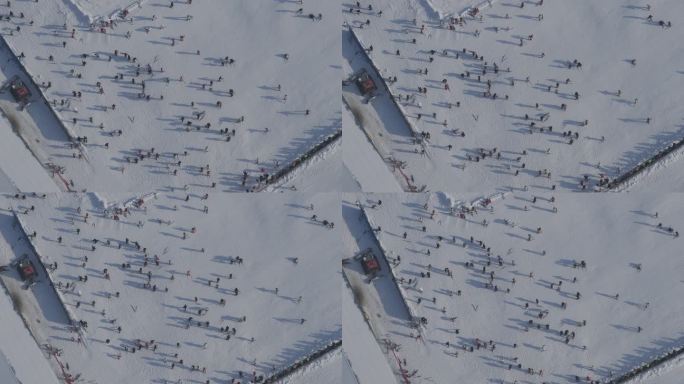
(604,36)
(198,69)
(619,239)
(288,274)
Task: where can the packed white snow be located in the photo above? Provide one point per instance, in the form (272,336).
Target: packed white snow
(201,286)
(197,93)
(541,94)
(495,280)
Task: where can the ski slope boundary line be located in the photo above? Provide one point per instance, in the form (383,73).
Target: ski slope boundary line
(644,368)
(627,178)
(300,161)
(303,362)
